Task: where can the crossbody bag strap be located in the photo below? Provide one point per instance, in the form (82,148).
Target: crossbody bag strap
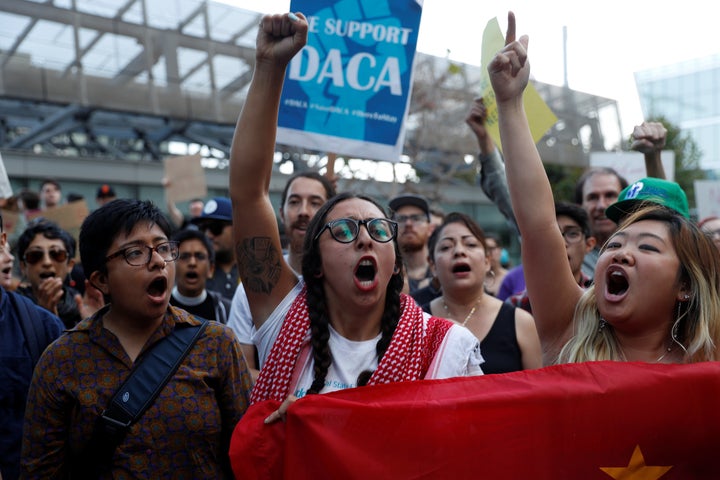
(134,397)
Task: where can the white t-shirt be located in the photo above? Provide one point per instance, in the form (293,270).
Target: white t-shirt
(458,355)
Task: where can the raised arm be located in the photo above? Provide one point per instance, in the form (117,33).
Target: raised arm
(649,139)
(552,289)
(492,169)
(265,275)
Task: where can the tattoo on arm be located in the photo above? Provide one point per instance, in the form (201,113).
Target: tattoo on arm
(259,264)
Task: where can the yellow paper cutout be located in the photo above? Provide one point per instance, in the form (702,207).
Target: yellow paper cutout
(540,117)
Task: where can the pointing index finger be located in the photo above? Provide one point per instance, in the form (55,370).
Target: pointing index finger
(510,35)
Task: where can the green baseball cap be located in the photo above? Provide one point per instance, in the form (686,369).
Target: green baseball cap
(651,190)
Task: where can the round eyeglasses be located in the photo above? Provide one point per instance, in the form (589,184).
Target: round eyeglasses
(572,235)
(139,255)
(346,230)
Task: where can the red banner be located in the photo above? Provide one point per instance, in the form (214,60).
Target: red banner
(596,420)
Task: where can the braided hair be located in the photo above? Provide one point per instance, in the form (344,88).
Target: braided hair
(316,301)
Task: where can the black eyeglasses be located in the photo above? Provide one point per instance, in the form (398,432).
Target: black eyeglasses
(414,218)
(139,255)
(186,256)
(216,228)
(345,230)
(572,234)
(34,256)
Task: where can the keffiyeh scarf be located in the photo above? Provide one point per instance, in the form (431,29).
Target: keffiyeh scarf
(411,351)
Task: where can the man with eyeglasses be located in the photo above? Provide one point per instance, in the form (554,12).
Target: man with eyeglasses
(215,221)
(47,255)
(193,267)
(25,331)
(574,223)
(412,214)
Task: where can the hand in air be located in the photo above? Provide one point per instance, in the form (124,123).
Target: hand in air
(510,70)
(280,37)
(649,137)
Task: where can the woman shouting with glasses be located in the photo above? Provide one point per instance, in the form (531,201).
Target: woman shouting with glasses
(346,323)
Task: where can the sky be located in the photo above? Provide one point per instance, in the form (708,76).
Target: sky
(607,41)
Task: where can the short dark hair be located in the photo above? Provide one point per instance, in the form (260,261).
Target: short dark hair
(192,234)
(327,184)
(104,224)
(580,184)
(51,181)
(30,199)
(48,229)
(576,213)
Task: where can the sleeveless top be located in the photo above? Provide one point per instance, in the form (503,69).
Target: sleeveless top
(500,347)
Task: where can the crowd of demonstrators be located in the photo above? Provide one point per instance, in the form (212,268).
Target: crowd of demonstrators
(303,195)
(126,254)
(654,296)
(412,214)
(47,255)
(574,225)
(215,221)
(345,324)
(460,259)
(193,267)
(25,331)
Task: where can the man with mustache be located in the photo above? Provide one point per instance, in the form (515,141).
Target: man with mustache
(303,195)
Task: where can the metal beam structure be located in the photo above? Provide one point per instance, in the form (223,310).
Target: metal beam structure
(124,79)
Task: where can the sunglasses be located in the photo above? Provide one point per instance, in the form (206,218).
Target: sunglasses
(216,228)
(346,230)
(34,256)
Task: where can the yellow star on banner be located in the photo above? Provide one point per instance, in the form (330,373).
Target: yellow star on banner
(636,469)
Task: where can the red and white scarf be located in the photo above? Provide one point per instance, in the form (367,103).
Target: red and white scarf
(411,351)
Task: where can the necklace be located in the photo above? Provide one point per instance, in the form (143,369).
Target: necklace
(469,315)
(669,349)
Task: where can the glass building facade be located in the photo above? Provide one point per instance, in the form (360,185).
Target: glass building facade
(688,95)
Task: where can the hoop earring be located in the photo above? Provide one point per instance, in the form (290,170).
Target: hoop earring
(674,329)
(491,281)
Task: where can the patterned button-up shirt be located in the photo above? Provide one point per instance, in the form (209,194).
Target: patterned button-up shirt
(184,434)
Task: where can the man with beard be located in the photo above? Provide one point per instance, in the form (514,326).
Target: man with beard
(412,213)
(193,267)
(215,222)
(303,195)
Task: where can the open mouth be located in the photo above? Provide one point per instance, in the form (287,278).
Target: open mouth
(617,283)
(191,275)
(45,275)
(157,287)
(365,271)
(461,268)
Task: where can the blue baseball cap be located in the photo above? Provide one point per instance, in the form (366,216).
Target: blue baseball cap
(217,208)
